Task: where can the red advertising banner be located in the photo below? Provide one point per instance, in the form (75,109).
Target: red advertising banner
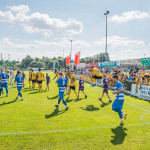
(68,60)
(77,58)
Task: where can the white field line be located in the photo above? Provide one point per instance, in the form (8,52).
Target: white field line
(67,130)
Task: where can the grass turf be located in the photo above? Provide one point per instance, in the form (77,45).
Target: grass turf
(88,124)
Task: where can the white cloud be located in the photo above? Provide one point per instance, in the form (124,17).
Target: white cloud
(116,41)
(20,9)
(40,23)
(7,17)
(7,45)
(127,16)
(65,42)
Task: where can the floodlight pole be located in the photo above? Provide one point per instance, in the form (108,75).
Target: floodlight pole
(107,12)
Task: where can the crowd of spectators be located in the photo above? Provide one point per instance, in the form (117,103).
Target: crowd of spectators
(136,75)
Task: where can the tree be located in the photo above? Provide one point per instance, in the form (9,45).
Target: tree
(26,61)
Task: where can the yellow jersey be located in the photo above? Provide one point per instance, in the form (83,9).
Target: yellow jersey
(143,73)
(30,74)
(96,72)
(33,76)
(72,81)
(40,76)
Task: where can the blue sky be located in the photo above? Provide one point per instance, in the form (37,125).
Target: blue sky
(45,28)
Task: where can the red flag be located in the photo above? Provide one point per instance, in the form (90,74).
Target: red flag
(68,60)
(77,58)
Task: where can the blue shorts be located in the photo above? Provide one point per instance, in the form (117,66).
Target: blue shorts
(105,91)
(19,88)
(61,95)
(117,104)
(5,85)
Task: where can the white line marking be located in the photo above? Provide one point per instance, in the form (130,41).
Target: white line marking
(107,127)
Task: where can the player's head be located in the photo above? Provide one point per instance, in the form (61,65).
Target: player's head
(80,77)
(115,78)
(60,75)
(47,74)
(2,70)
(18,72)
(92,66)
(72,71)
(39,69)
(104,76)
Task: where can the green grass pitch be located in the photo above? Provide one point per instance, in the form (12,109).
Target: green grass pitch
(89,124)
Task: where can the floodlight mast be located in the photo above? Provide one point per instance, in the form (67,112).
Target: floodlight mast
(106,13)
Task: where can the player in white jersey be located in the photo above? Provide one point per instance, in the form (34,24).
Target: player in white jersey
(11,74)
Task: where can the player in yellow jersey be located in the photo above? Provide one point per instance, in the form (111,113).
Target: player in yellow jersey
(33,77)
(7,71)
(30,77)
(95,73)
(72,84)
(40,79)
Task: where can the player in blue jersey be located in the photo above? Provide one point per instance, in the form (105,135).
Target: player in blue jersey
(4,77)
(62,83)
(81,87)
(105,86)
(118,102)
(19,80)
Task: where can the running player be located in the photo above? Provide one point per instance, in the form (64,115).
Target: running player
(105,86)
(19,80)
(81,87)
(96,74)
(33,77)
(4,77)
(72,84)
(47,81)
(11,73)
(40,79)
(118,102)
(30,75)
(62,83)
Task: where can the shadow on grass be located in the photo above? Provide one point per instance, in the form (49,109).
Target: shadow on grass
(90,108)
(104,104)
(8,102)
(77,100)
(54,97)
(69,100)
(119,135)
(55,113)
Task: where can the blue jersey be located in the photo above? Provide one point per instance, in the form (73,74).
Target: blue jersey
(62,83)
(19,80)
(119,96)
(4,77)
